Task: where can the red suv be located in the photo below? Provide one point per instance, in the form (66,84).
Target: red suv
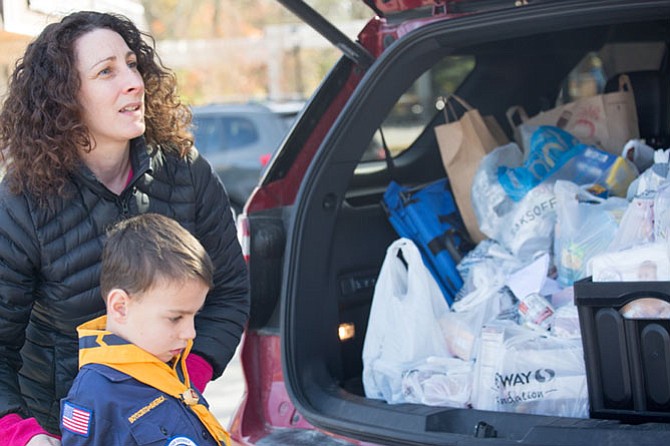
(316,233)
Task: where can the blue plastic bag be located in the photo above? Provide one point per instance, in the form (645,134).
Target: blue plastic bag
(550,148)
(556,154)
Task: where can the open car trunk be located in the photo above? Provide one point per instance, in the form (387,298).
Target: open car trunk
(339,233)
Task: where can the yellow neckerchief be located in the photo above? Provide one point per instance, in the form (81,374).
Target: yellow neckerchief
(99,346)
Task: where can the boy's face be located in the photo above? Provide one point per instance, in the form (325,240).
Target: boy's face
(161,320)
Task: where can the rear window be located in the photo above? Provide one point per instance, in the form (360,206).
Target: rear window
(219,133)
(590,76)
(587,79)
(417,106)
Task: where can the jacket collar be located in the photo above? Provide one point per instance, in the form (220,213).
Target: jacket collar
(140,160)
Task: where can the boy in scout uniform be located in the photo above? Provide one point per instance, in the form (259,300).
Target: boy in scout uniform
(133,387)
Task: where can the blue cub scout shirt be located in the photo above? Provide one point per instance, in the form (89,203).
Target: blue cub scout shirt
(106,407)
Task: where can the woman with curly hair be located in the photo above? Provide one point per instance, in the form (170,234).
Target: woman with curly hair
(92,132)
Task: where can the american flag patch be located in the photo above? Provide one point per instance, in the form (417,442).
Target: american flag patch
(76,419)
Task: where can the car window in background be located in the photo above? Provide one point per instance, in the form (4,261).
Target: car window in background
(228,133)
(287,111)
(239,139)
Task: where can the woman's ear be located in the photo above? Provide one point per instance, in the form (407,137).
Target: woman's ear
(117,305)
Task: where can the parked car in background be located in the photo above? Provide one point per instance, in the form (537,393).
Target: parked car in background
(316,233)
(239,139)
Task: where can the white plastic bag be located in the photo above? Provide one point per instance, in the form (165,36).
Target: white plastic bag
(519,370)
(439,382)
(636,226)
(403,327)
(662,213)
(642,263)
(485,271)
(523,227)
(639,153)
(490,202)
(650,179)
(585,226)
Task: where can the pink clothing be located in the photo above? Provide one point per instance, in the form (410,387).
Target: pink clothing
(199,371)
(130,176)
(17,431)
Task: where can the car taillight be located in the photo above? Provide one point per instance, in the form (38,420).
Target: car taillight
(265,159)
(243,235)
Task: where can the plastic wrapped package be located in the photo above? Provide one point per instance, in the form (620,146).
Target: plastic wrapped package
(439,382)
(520,370)
(523,228)
(550,149)
(646,308)
(636,226)
(662,213)
(555,154)
(529,285)
(651,178)
(526,226)
(462,326)
(585,226)
(483,297)
(490,202)
(643,263)
(566,322)
(639,153)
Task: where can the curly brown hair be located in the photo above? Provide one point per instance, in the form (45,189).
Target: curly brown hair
(41,127)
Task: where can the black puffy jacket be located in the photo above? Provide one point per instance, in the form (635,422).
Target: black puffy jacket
(50,265)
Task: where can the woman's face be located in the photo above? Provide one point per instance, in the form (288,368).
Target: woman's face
(112,90)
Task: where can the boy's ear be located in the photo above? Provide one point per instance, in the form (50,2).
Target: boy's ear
(117,305)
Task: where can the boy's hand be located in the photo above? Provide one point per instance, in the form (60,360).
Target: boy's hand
(43,440)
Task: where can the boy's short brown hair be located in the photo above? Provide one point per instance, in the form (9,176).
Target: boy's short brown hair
(145,249)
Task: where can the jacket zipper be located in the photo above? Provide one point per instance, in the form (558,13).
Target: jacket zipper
(122,203)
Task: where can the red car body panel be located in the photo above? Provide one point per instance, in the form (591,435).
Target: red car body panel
(267,406)
(266,400)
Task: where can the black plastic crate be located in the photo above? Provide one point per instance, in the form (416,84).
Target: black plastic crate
(627,360)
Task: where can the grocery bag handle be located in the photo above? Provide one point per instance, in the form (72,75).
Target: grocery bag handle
(448,107)
(516,111)
(517,115)
(624,83)
(388,157)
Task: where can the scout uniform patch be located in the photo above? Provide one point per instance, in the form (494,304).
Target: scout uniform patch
(76,419)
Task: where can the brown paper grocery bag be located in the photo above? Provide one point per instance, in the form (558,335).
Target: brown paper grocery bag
(463,143)
(607,121)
